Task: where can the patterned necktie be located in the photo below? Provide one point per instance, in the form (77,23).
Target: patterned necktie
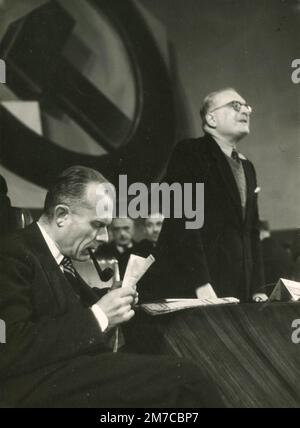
(68,267)
(114,338)
(81,289)
(235,156)
(72,277)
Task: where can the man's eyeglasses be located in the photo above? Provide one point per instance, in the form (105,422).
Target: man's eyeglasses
(236,105)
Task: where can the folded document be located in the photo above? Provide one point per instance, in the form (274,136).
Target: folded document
(136,268)
(286,290)
(172,305)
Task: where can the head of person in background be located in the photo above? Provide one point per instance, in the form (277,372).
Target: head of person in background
(153,225)
(264,230)
(77,211)
(122,231)
(226,115)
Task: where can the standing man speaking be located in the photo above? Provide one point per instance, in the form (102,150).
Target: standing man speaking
(225,253)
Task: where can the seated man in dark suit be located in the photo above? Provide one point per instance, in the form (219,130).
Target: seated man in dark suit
(4,207)
(122,245)
(152,225)
(55,354)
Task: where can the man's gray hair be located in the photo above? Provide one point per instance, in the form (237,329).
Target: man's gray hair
(69,188)
(208,101)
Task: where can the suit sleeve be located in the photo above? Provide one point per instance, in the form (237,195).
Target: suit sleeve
(4,214)
(180,250)
(33,341)
(258,280)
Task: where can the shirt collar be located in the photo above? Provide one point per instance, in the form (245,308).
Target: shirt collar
(51,245)
(225,147)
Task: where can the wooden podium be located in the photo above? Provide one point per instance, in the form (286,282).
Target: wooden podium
(246,349)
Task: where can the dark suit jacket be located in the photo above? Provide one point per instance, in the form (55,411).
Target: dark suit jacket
(144,248)
(45,319)
(5,208)
(54,352)
(226,250)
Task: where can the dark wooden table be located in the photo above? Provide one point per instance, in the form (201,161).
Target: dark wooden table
(246,349)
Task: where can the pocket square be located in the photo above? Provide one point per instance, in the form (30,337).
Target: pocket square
(257,190)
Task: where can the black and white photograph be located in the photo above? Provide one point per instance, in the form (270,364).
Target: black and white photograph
(149,206)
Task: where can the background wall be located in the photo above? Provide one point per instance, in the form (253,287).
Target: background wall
(248,44)
(98,51)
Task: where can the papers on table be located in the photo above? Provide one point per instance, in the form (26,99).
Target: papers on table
(136,268)
(172,305)
(205,292)
(286,290)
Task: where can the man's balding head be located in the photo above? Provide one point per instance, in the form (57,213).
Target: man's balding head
(78,209)
(220,115)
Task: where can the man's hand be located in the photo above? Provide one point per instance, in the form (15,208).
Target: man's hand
(259,297)
(118,284)
(117,305)
(206,292)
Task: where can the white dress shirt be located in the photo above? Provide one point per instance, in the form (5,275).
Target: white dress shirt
(58,256)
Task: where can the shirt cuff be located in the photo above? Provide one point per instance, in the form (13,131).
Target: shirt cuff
(100,317)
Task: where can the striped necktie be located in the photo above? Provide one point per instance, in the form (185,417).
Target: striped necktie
(68,267)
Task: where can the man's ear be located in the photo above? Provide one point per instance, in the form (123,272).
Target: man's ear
(61,214)
(210,120)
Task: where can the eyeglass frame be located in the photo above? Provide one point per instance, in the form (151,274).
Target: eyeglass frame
(231,104)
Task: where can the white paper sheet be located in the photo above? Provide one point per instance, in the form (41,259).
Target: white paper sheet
(136,268)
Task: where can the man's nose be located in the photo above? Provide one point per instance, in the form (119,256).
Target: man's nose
(102,235)
(245,110)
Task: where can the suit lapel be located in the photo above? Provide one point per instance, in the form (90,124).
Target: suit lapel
(56,278)
(86,293)
(223,167)
(250,186)
(57,282)
(43,253)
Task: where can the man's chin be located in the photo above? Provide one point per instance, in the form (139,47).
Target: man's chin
(243,133)
(245,128)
